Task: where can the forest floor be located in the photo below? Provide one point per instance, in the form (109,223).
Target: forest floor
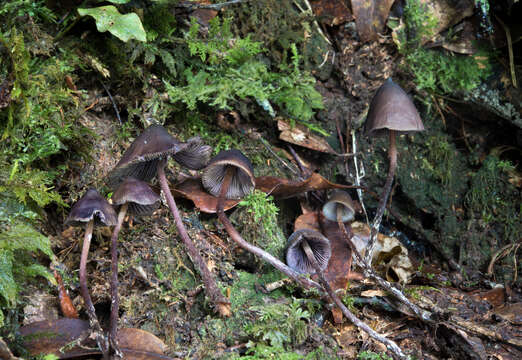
(450,241)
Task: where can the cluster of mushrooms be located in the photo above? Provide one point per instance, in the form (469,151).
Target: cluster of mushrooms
(229,175)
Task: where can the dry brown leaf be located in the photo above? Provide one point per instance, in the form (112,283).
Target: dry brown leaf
(193,190)
(511,313)
(495,297)
(373,293)
(66,305)
(302,136)
(370,17)
(49,336)
(307,221)
(284,188)
(331,12)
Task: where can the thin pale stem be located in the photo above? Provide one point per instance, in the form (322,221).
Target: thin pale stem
(93,319)
(384,199)
(216,297)
(391,345)
(115,300)
(232,232)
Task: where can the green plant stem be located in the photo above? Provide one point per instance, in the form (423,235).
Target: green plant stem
(91,312)
(265,256)
(221,303)
(115,300)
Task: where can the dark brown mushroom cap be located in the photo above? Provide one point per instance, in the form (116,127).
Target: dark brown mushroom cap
(141,199)
(339,198)
(243,181)
(392,109)
(92,206)
(296,257)
(155,143)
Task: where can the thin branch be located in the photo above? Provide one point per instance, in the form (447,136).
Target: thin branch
(194,6)
(112,101)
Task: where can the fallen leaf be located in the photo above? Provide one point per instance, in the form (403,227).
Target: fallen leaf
(66,305)
(307,221)
(370,17)
(511,313)
(495,297)
(193,190)
(331,12)
(136,343)
(284,188)
(49,336)
(462,39)
(302,136)
(203,16)
(373,293)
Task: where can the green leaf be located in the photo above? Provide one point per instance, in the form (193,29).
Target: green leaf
(24,237)
(124,27)
(8,287)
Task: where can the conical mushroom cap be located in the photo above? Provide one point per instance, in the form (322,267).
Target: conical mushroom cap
(339,198)
(92,206)
(243,181)
(392,109)
(138,194)
(296,256)
(155,143)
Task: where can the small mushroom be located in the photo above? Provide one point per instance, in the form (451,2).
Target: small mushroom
(230,175)
(305,247)
(92,209)
(391,111)
(229,167)
(339,207)
(136,198)
(142,158)
(146,157)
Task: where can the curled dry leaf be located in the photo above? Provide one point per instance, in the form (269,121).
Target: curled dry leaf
(192,189)
(302,136)
(66,305)
(5,353)
(370,17)
(284,188)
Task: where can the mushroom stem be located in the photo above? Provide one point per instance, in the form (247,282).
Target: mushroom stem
(391,345)
(232,232)
(93,319)
(347,235)
(115,301)
(215,295)
(392,153)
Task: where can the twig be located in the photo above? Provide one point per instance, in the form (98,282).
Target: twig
(369,272)
(267,146)
(391,345)
(304,171)
(113,103)
(309,8)
(219,6)
(358,177)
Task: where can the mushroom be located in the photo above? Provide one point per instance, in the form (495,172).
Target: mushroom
(92,209)
(339,207)
(147,156)
(230,175)
(391,110)
(309,251)
(136,198)
(305,247)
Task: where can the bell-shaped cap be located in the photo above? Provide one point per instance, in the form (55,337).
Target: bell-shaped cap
(139,196)
(155,143)
(243,181)
(92,206)
(339,199)
(392,109)
(296,256)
